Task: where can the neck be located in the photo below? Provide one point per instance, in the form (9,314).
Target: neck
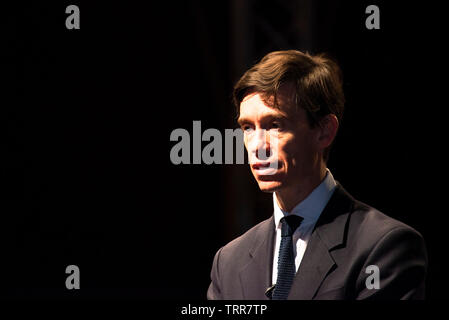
(288,198)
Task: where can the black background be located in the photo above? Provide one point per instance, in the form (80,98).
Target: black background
(87,116)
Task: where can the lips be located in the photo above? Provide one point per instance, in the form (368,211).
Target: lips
(265,168)
(260,165)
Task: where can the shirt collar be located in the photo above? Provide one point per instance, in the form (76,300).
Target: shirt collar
(311,207)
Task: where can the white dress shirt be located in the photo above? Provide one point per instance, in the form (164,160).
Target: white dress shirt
(310,210)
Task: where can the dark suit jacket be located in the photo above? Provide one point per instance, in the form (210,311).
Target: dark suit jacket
(348,237)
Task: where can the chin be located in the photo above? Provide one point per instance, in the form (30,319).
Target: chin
(269,186)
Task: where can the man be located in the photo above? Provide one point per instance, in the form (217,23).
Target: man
(320,243)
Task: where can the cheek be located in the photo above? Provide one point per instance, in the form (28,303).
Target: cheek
(285,152)
(295,151)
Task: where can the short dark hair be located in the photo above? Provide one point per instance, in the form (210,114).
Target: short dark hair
(317,80)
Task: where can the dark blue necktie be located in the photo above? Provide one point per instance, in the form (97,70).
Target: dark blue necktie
(286,260)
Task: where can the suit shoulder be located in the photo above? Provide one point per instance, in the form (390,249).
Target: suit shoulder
(370,221)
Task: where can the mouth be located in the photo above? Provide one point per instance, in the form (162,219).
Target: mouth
(260,165)
(264,168)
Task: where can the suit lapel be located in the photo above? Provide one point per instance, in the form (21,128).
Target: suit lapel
(255,277)
(328,233)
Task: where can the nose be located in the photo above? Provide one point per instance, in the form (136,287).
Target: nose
(260,145)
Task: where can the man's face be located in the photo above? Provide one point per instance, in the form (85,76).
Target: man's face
(281,145)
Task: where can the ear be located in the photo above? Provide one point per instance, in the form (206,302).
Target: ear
(327,130)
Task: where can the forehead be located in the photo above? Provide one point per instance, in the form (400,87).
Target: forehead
(256,104)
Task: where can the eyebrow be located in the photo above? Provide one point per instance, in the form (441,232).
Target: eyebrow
(242,121)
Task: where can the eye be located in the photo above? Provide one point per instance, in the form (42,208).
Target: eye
(275,125)
(246,128)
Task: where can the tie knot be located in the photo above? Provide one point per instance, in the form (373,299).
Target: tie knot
(290,224)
